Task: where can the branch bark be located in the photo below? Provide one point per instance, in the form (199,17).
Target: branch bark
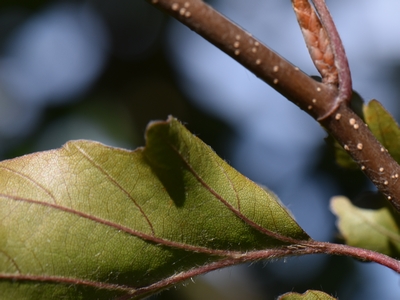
(233,258)
(317,99)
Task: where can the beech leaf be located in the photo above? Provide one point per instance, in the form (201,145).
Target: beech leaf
(384,127)
(88,221)
(309,295)
(373,229)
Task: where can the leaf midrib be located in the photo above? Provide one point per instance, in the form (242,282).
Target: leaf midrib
(68,281)
(238,214)
(118,227)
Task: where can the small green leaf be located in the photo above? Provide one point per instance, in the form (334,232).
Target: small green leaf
(89,221)
(309,295)
(373,229)
(384,127)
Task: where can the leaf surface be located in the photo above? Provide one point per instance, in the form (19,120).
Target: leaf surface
(88,221)
(384,127)
(373,229)
(309,295)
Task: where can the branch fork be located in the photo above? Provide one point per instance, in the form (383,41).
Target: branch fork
(327,102)
(325,48)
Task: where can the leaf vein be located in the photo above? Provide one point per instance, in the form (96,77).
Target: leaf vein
(115,182)
(228,205)
(24,176)
(13,262)
(118,227)
(68,281)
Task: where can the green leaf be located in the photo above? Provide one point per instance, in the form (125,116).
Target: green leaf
(384,127)
(309,295)
(88,221)
(373,229)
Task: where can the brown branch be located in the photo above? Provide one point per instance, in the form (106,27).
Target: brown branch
(288,80)
(307,248)
(373,159)
(230,259)
(354,252)
(317,99)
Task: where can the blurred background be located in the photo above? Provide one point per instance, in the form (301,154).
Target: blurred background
(102,70)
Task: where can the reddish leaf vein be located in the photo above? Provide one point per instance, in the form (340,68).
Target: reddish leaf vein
(229,206)
(141,235)
(115,182)
(24,176)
